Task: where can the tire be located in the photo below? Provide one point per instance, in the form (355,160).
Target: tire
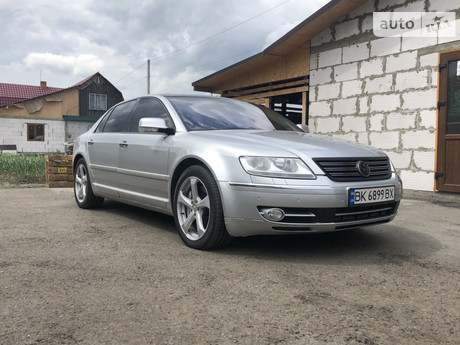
(198,212)
(83,191)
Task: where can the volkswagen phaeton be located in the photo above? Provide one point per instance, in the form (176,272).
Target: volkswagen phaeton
(225,168)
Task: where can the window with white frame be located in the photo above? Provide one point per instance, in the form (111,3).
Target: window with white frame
(97,101)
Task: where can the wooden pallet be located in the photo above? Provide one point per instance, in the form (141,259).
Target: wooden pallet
(59,171)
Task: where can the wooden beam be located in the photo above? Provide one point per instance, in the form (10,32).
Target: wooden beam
(237,93)
(304,107)
(273,93)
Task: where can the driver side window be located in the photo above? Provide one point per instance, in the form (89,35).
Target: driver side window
(149,107)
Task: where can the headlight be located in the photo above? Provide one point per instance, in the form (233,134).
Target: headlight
(277,167)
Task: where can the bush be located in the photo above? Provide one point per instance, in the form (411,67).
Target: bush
(22,168)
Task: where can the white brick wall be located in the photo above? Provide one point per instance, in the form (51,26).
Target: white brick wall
(418,140)
(384,140)
(321,76)
(385,102)
(429,60)
(379,84)
(382,91)
(451,39)
(424,160)
(14,132)
(346,72)
(400,160)
(367,7)
(355,52)
(419,99)
(411,80)
(327,125)
(323,37)
(427,119)
(387,4)
(363,138)
(411,43)
(400,62)
(320,109)
(364,105)
(372,67)
(345,106)
(443,6)
(347,137)
(354,124)
(385,46)
(351,88)
(415,6)
(328,91)
(400,121)
(418,180)
(330,58)
(347,29)
(376,122)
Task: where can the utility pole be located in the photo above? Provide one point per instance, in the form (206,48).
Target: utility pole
(148,77)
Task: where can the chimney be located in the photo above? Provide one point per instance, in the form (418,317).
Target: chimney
(43,84)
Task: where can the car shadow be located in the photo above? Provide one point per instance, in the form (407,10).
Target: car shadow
(155,220)
(380,243)
(386,243)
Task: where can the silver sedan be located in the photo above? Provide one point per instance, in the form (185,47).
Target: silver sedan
(225,168)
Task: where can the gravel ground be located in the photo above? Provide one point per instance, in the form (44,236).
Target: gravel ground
(121,275)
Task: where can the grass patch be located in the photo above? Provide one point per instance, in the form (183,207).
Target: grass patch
(22,168)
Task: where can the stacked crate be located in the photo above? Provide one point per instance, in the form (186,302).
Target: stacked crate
(59,171)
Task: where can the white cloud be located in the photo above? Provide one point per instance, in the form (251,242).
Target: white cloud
(67,41)
(78,65)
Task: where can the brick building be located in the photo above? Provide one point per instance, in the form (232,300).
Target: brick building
(42,119)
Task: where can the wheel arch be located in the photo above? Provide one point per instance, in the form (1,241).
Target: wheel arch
(180,168)
(75,160)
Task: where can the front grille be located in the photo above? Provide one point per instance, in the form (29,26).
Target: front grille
(346,169)
(337,215)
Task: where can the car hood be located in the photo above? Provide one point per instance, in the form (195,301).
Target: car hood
(304,145)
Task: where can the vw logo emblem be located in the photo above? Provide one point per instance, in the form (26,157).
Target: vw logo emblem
(363,168)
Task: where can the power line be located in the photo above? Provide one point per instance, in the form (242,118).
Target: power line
(203,40)
(134,70)
(219,33)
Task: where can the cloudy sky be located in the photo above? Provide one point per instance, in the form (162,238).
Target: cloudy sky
(63,42)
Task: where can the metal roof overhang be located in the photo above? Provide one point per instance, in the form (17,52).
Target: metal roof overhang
(301,34)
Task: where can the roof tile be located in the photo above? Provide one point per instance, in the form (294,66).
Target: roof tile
(13,93)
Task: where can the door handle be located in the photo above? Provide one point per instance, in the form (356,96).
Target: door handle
(123,144)
(91,143)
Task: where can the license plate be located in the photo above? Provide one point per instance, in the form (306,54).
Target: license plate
(359,196)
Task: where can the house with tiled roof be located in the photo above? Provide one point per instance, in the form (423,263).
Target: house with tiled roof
(15,93)
(43,119)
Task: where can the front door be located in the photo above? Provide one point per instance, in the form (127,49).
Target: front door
(143,157)
(448,148)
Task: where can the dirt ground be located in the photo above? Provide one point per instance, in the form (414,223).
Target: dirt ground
(121,275)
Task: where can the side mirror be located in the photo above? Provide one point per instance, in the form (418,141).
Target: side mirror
(154,124)
(304,128)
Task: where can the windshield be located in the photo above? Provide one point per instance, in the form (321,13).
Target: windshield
(207,113)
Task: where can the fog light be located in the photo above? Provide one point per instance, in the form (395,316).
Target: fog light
(274,214)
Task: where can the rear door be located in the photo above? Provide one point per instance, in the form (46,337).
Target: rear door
(143,157)
(448,145)
(103,149)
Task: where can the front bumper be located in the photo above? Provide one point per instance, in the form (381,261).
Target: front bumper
(319,207)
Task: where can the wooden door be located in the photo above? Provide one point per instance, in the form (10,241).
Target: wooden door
(448,146)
